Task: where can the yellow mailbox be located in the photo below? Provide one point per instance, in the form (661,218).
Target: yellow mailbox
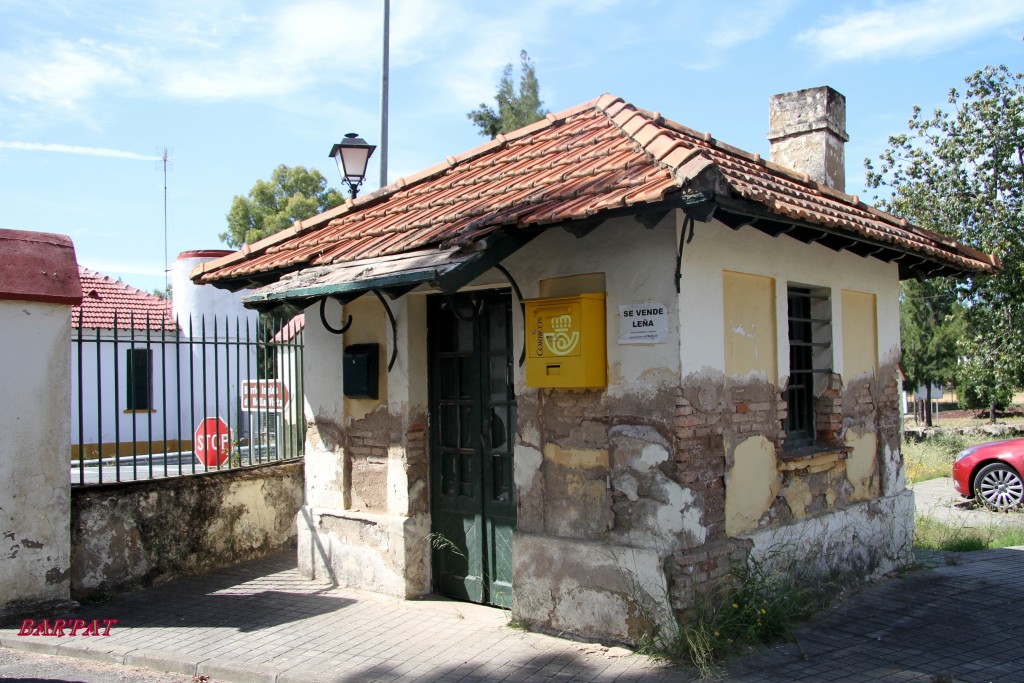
(565,342)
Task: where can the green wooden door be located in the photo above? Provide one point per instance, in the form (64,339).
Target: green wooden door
(472,425)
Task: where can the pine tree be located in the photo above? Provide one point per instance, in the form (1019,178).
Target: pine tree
(514,109)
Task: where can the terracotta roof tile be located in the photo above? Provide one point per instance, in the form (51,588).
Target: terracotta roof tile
(103,298)
(593,158)
(291,330)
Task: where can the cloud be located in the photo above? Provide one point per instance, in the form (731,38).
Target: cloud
(917,27)
(62,73)
(746,22)
(281,53)
(194,50)
(75,149)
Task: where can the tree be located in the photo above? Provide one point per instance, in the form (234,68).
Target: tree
(961,173)
(930,326)
(515,110)
(293,193)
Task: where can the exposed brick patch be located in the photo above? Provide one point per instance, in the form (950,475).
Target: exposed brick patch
(828,411)
(693,574)
(416,465)
(366,458)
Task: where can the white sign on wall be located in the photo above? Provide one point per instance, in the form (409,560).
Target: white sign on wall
(645,323)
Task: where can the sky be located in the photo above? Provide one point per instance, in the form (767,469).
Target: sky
(92,93)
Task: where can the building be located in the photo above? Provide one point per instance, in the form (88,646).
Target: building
(123,331)
(139,362)
(589,365)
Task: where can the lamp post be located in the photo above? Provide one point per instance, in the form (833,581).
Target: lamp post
(352,155)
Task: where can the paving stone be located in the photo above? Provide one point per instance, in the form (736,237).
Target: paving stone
(263,622)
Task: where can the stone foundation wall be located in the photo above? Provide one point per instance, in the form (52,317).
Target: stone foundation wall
(694,479)
(376,537)
(128,535)
(829,506)
(603,502)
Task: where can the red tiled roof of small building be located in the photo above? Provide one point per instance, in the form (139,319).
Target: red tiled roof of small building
(594,158)
(103,297)
(292,329)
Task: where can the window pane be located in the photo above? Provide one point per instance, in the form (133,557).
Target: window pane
(140,379)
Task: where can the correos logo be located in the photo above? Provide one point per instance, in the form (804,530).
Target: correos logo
(560,342)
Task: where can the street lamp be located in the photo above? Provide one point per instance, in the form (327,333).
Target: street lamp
(352,154)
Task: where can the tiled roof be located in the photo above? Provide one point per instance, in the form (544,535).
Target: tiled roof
(589,161)
(103,297)
(292,329)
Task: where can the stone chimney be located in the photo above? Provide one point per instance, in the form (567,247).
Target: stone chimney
(807,130)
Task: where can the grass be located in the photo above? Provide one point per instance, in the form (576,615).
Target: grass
(752,606)
(934,534)
(933,457)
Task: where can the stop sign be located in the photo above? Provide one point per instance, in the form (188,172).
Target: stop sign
(212,441)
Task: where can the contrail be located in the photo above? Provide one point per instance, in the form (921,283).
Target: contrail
(75,149)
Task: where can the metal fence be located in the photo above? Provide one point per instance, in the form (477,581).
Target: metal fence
(215,394)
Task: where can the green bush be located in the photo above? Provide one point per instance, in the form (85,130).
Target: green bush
(975,395)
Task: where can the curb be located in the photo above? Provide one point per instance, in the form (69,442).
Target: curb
(161,661)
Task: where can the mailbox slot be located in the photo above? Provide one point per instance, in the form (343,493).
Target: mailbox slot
(566,342)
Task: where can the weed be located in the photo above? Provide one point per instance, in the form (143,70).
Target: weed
(439,541)
(934,534)
(518,624)
(933,457)
(753,605)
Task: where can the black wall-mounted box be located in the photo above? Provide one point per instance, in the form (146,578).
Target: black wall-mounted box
(360,370)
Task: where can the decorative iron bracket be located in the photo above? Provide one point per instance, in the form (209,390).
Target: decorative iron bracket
(478,307)
(327,326)
(684,239)
(522,307)
(348,323)
(394,329)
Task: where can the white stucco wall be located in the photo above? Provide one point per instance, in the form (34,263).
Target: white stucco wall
(638,264)
(104,415)
(716,247)
(190,299)
(323,406)
(35,540)
(176,368)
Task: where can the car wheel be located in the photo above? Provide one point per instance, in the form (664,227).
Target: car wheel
(999,486)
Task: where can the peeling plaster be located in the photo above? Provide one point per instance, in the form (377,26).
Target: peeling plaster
(860,466)
(138,533)
(575,457)
(661,510)
(527,465)
(867,539)
(34,455)
(588,587)
(751,484)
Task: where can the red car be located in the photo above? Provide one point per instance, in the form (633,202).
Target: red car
(991,472)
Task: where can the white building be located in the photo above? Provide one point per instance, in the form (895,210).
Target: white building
(705,372)
(142,376)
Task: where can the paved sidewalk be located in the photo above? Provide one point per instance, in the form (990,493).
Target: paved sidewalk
(955,623)
(261,621)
